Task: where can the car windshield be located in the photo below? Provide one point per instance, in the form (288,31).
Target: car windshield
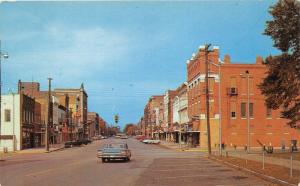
(115,145)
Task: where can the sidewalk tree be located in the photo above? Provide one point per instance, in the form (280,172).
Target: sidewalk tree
(281,86)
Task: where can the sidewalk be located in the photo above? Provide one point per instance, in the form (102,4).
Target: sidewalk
(39,150)
(183,147)
(52,148)
(256,156)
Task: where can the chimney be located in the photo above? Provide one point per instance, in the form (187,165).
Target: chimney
(259,60)
(226,59)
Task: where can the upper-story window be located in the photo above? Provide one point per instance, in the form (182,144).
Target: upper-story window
(233,114)
(243,110)
(251,112)
(233,110)
(268,112)
(7,115)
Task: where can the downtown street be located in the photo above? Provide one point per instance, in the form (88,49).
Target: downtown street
(150,165)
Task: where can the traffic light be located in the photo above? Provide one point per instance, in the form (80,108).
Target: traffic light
(116,118)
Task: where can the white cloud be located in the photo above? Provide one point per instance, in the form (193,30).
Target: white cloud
(71,54)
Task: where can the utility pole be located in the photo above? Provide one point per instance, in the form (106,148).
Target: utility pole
(207,98)
(49,115)
(71,123)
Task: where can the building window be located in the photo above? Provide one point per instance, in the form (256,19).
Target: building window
(7,115)
(243,110)
(251,110)
(268,112)
(233,109)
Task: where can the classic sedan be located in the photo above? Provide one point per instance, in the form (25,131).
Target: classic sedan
(113,151)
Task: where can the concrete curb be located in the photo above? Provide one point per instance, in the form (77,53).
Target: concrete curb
(39,151)
(184,150)
(253,172)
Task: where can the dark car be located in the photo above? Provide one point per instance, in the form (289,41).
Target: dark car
(68,144)
(83,141)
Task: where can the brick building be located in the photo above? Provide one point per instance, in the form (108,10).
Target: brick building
(58,111)
(238,87)
(103,126)
(168,114)
(93,121)
(78,106)
(153,116)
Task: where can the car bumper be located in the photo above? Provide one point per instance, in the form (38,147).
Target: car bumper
(112,156)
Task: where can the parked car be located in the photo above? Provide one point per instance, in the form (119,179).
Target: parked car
(114,151)
(141,138)
(151,141)
(84,141)
(68,144)
(96,138)
(77,143)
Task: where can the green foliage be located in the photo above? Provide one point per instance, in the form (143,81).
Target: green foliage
(281,86)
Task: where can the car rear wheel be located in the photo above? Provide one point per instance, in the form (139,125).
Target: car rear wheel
(104,160)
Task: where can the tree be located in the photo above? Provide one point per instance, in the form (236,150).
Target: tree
(281,86)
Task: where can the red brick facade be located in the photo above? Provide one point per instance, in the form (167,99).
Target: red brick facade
(238,81)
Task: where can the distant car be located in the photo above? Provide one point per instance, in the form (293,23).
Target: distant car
(85,141)
(68,144)
(114,151)
(151,141)
(124,137)
(141,138)
(94,138)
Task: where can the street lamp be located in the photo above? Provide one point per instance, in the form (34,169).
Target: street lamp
(4,56)
(220,110)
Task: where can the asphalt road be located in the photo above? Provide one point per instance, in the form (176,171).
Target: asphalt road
(150,165)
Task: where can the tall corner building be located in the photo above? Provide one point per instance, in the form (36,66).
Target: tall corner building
(237,108)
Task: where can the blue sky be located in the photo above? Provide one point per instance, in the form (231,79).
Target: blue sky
(124,52)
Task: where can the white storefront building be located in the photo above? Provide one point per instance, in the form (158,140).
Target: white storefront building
(10,123)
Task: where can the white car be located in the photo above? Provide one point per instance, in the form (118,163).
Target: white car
(151,141)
